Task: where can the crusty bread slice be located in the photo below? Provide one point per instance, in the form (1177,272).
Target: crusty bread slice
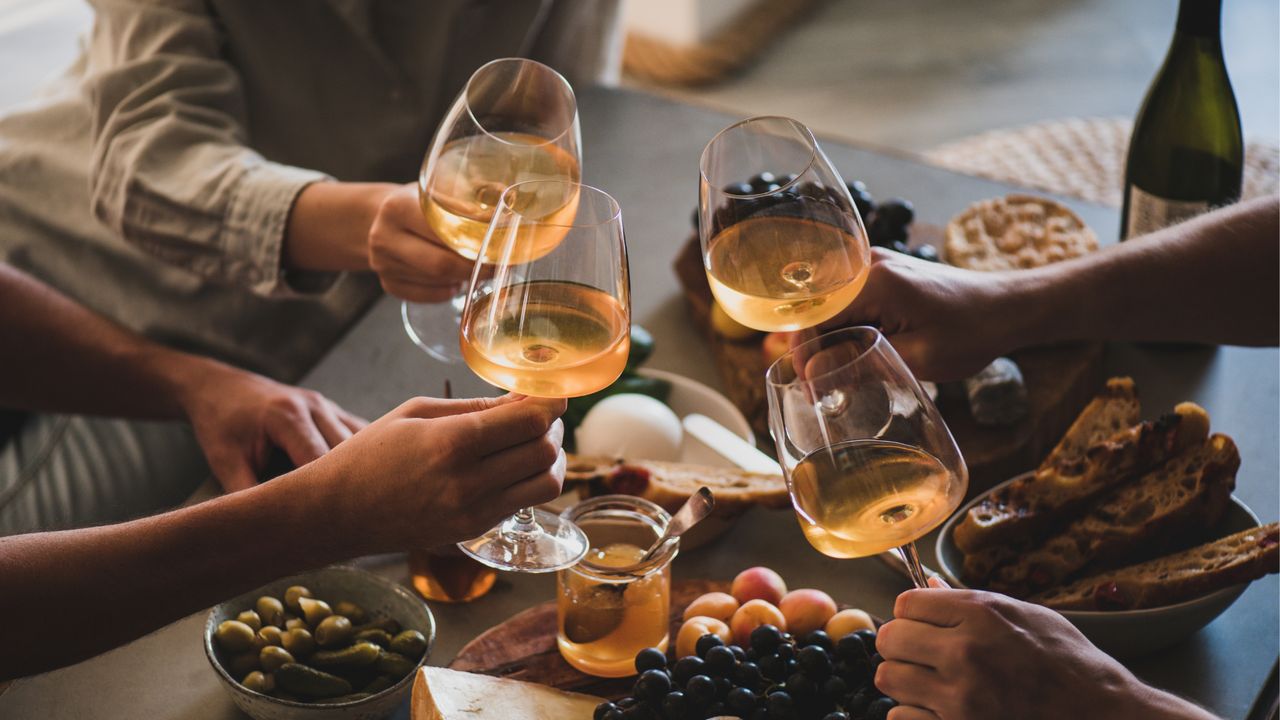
(1115,408)
(1035,506)
(670,484)
(1186,494)
(1243,557)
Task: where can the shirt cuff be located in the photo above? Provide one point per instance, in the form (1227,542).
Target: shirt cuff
(255,227)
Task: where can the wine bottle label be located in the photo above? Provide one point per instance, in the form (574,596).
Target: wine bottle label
(1148,213)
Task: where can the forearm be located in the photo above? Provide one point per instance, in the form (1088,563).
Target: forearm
(1212,279)
(70,595)
(329,226)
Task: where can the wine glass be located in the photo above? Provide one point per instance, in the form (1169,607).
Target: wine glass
(782,242)
(515,120)
(548,314)
(869,463)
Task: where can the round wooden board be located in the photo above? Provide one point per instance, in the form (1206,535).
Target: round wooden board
(1060,381)
(524,647)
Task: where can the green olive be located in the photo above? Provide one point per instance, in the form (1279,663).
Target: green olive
(270,610)
(409,643)
(250,618)
(244,663)
(333,630)
(314,610)
(351,611)
(259,682)
(234,636)
(293,621)
(271,635)
(273,657)
(293,594)
(298,642)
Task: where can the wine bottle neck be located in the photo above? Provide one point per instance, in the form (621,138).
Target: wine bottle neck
(1200,18)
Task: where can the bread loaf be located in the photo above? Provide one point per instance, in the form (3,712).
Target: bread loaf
(1031,508)
(1187,494)
(1243,557)
(670,484)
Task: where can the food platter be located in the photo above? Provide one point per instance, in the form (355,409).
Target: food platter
(1126,633)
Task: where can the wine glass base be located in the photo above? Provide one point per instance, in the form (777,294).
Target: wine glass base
(547,544)
(435,327)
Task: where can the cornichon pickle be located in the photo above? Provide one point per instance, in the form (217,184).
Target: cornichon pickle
(375,636)
(314,610)
(333,630)
(298,642)
(271,610)
(358,655)
(394,664)
(351,611)
(273,657)
(303,680)
(387,625)
(378,684)
(234,636)
(293,594)
(409,643)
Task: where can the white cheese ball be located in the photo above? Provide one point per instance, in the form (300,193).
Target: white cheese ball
(633,426)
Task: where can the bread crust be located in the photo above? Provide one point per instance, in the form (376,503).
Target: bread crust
(669,484)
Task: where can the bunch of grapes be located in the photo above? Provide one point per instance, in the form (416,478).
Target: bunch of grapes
(778,678)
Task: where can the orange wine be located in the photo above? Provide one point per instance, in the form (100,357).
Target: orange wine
(602,625)
(863,497)
(777,273)
(446,574)
(459,192)
(547,338)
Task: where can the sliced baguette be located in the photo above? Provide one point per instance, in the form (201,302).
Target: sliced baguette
(1114,409)
(1032,508)
(1243,557)
(670,484)
(1187,494)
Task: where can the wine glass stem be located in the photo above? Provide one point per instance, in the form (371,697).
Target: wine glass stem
(522,522)
(912,559)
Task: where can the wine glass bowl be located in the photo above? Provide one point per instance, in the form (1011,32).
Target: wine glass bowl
(547,314)
(783,244)
(869,463)
(516,120)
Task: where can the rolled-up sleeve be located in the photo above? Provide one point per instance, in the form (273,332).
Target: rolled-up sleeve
(172,169)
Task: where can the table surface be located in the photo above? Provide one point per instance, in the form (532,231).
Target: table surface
(644,151)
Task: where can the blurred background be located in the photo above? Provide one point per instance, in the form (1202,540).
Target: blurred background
(925,77)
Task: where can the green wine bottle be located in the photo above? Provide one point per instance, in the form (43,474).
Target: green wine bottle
(1186,155)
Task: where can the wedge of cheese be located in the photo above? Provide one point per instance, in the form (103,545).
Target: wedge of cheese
(443,694)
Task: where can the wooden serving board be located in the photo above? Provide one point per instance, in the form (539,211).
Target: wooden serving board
(1060,381)
(524,647)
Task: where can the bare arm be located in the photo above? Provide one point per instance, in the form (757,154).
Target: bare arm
(430,472)
(1212,279)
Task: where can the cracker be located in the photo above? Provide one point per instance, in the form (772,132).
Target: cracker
(1014,232)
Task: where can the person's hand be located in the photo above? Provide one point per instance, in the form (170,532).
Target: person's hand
(411,262)
(238,417)
(961,654)
(437,471)
(945,322)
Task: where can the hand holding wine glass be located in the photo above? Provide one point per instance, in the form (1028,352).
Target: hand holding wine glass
(515,120)
(787,250)
(548,314)
(869,463)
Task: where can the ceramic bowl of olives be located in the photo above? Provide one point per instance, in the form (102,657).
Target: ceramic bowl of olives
(334,643)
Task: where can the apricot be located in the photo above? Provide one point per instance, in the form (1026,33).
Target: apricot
(752,615)
(847,621)
(806,610)
(718,605)
(696,627)
(758,583)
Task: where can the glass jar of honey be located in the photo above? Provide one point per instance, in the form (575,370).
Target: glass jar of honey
(610,607)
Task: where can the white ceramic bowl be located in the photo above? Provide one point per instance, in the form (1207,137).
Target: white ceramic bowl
(1125,634)
(689,397)
(378,596)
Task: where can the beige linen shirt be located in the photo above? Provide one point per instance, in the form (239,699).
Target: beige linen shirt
(154,179)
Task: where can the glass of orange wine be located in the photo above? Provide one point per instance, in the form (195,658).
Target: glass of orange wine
(547,314)
(782,242)
(515,120)
(869,463)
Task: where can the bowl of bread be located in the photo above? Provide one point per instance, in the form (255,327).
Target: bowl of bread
(1128,528)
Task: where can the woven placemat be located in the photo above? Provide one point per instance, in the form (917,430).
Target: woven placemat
(1077,157)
